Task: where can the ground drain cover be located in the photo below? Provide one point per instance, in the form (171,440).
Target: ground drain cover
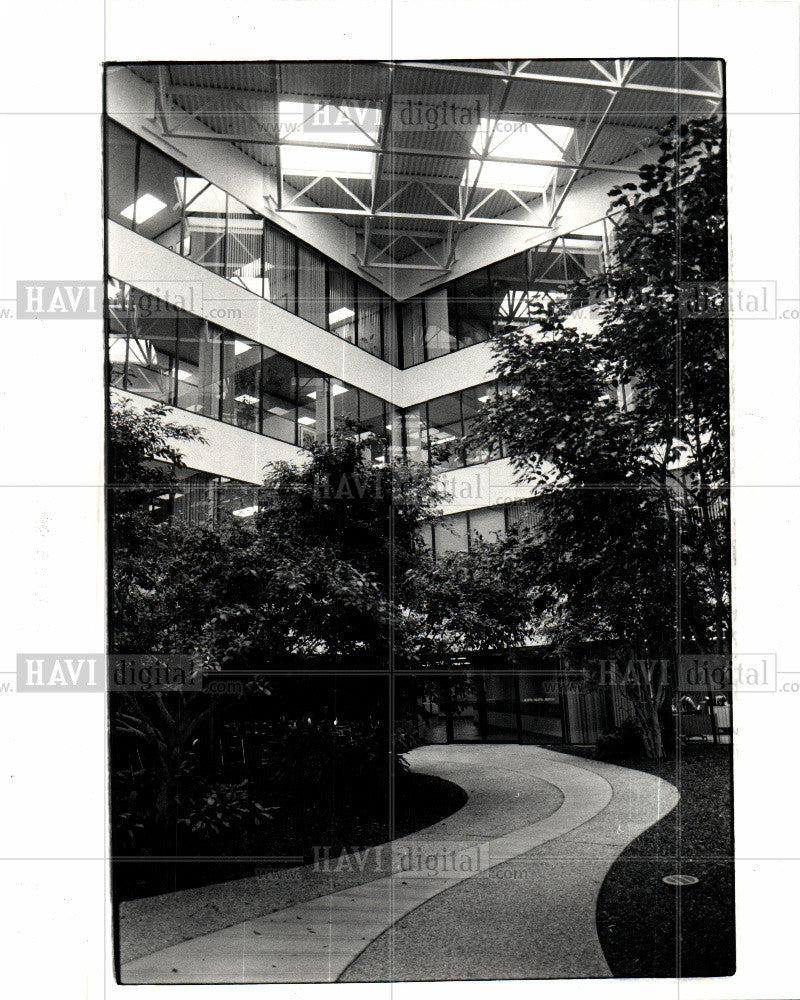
(680,880)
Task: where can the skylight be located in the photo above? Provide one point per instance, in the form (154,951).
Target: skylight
(517,141)
(328,125)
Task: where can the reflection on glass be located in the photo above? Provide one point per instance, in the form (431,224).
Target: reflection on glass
(415,430)
(311,287)
(278,396)
(142,344)
(344,401)
(444,430)
(120,173)
(312,407)
(241,368)
(373,420)
(413,321)
(510,305)
(279,268)
(243,247)
(472,402)
(205,215)
(438,337)
(471,296)
(369,318)
(341,303)
(199,365)
(171,205)
(157,210)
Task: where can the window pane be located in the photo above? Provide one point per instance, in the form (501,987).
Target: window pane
(344,400)
(472,301)
(510,304)
(279,267)
(236,498)
(243,257)
(120,168)
(241,368)
(472,401)
(143,359)
(413,313)
(158,209)
(416,433)
(311,287)
(205,208)
(278,399)
(370,304)
(312,406)
(373,420)
(193,498)
(199,361)
(390,345)
(438,338)
(342,303)
(444,429)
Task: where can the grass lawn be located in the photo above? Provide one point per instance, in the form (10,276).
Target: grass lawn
(651,929)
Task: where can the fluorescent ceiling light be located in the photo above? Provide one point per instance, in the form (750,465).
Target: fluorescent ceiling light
(339,316)
(245,398)
(245,512)
(306,421)
(186,376)
(336,390)
(279,411)
(143,208)
(325,125)
(520,141)
(241,346)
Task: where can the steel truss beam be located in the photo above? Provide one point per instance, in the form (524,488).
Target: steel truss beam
(603,82)
(613,79)
(400,151)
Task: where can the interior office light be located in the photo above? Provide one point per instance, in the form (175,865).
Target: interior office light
(143,208)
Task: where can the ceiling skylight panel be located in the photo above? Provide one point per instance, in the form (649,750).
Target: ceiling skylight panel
(515,140)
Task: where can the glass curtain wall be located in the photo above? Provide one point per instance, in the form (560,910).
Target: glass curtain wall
(170,356)
(163,200)
(433,431)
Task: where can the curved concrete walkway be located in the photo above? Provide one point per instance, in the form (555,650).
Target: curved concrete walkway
(455,905)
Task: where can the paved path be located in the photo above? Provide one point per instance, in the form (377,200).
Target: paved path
(456,904)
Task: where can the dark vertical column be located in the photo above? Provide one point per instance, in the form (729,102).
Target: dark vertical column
(448,711)
(518,707)
(483,722)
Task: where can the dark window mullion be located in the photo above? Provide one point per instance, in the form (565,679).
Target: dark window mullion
(137,159)
(295,272)
(221,393)
(462,447)
(296,402)
(260,384)
(381,310)
(225,237)
(177,347)
(263,261)
(327,270)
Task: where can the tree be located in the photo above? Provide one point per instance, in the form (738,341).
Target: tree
(624,429)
